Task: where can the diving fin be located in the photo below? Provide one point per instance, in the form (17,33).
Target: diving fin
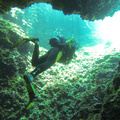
(29,105)
(24,40)
(31,91)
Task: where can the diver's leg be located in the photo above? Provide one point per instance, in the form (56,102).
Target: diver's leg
(51,58)
(35,58)
(52,54)
(35,54)
(29,78)
(35,62)
(48,63)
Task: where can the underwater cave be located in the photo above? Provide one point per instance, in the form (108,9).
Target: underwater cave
(79,85)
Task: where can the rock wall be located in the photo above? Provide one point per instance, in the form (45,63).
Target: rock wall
(87,9)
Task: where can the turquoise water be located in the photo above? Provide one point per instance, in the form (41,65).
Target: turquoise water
(40,20)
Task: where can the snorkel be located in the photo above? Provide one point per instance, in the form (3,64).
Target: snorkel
(69,42)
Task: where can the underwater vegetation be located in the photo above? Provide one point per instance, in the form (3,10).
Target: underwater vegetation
(86,89)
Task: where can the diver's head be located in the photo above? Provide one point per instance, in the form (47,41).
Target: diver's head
(54,42)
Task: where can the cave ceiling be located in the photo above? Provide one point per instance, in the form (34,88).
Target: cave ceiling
(88,9)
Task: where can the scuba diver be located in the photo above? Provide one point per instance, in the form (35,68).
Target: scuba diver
(62,51)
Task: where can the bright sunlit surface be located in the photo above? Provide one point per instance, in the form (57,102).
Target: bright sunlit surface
(109,29)
(104,33)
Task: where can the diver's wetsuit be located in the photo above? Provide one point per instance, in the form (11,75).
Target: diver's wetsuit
(60,45)
(47,60)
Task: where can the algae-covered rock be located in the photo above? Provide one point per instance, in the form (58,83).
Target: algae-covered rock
(12,68)
(111,107)
(11,60)
(88,9)
(116,81)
